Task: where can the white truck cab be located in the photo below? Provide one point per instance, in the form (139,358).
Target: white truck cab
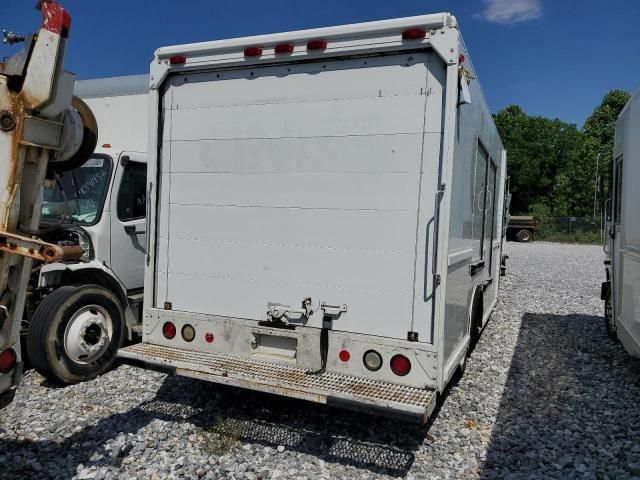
(81,310)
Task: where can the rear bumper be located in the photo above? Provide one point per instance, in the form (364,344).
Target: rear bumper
(327,388)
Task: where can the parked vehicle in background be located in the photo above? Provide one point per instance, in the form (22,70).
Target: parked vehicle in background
(43,130)
(621,290)
(79,311)
(522,228)
(326,213)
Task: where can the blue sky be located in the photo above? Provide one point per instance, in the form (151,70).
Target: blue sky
(555,58)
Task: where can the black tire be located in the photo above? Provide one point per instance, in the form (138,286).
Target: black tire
(524,235)
(46,337)
(475,327)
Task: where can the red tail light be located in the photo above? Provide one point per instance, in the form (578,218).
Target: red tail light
(461,58)
(400,365)
(178,60)
(344,355)
(414,34)
(253,51)
(169,330)
(7,360)
(284,48)
(209,338)
(317,45)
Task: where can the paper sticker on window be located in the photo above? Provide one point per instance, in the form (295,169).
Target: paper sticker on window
(94,163)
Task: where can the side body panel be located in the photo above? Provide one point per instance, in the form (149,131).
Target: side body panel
(476,203)
(626,245)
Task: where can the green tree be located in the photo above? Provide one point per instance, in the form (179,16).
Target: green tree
(599,132)
(540,154)
(552,164)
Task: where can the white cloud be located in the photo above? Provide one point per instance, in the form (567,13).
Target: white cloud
(511,11)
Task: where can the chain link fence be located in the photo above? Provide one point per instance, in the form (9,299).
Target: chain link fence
(571,229)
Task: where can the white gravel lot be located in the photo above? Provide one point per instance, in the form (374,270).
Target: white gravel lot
(545,395)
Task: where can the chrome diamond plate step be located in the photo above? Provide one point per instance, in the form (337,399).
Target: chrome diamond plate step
(329,388)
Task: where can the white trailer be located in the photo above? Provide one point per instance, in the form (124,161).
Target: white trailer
(80,309)
(325,213)
(621,290)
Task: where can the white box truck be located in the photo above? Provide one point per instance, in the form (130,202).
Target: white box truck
(325,213)
(621,290)
(80,309)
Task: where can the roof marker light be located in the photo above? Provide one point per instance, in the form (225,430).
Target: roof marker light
(177,60)
(284,48)
(414,34)
(317,45)
(253,51)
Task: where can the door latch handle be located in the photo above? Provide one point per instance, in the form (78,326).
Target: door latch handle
(131,230)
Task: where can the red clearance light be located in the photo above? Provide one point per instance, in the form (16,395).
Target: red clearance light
(400,365)
(461,59)
(253,51)
(209,337)
(7,360)
(106,145)
(169,330)
(317,45)
(414,34)
(283,48)
(344,355)
(177,60)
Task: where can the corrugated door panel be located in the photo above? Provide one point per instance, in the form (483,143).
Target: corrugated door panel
(292,182)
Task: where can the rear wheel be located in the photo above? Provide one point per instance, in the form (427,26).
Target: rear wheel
(524,235)
(608,320)
(476,320)
(75,333)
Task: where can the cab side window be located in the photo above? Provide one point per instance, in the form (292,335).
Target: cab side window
(132,198)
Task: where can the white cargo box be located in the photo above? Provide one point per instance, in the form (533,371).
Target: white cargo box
(301,208)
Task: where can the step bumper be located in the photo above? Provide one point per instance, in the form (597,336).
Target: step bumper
(328,388)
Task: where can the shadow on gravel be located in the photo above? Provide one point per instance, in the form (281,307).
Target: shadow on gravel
(383,446)
(570,404)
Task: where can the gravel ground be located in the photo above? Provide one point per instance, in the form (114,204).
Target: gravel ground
(545,395)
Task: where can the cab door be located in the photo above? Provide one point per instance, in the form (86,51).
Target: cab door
(128,219)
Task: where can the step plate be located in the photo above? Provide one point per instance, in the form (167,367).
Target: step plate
(328,388)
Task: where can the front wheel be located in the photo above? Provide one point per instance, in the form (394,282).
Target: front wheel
(75,333)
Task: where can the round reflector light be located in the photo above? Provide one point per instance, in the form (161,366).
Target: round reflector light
(188,333)
(209,337)
(400,365)
(169,330)
(344,355)
(372,360)
(7,360)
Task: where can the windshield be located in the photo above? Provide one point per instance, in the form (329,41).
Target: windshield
(77,195)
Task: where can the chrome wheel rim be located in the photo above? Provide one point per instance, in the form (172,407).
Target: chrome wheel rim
(88,334)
